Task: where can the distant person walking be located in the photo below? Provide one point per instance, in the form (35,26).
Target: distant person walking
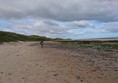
(42,43)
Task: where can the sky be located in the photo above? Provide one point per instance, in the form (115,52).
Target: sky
(75,19)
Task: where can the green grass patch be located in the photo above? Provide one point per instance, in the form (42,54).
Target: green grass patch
(71,44)
(98,46)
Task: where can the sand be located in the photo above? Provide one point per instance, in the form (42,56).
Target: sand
(27,62)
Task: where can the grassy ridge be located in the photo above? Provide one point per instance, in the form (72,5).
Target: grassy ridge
(13,37)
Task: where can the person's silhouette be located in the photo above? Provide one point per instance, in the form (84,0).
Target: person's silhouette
(42,43)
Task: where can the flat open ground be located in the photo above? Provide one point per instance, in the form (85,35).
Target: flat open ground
(27,62)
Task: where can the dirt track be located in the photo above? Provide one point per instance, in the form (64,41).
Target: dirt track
(27,62)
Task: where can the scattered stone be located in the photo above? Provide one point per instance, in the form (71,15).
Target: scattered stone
(115,70)
(36,64)
(81,80)
(23,78)
(9,74)
(99,77)
(94,70)
(1,72)
(55,74)
(116,77)
(78,77)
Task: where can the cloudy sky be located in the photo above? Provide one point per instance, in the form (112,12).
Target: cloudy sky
(76,19)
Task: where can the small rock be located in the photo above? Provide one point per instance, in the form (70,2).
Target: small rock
(36,64)
(94,70)
(23,78)
(55,74)
(81,80)
(115,70)
(78,77)
(99,77)
(9,74)
(1,72)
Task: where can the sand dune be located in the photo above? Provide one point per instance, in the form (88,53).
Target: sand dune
(27,62)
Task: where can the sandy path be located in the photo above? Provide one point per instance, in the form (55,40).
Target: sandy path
(29,63)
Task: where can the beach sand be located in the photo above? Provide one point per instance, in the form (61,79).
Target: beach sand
(27,62)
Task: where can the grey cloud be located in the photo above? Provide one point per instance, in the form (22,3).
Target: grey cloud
(50,23)
(63,10)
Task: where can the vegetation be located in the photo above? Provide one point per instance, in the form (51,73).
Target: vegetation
(95,45)
(13,37)
(61,39)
